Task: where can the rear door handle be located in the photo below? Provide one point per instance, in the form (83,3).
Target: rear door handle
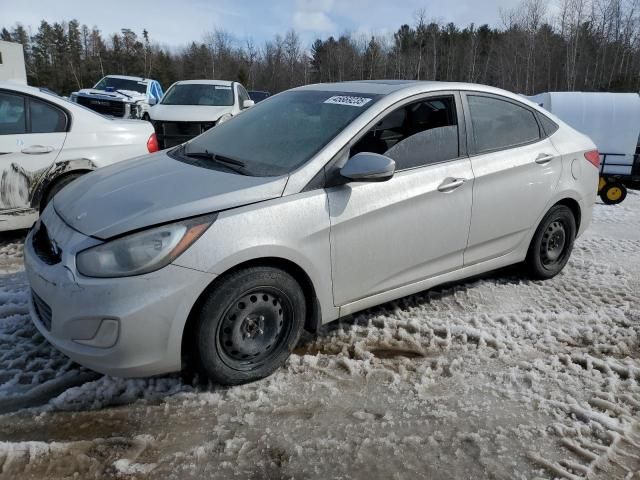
(37,150)
(543,158)
(449,184)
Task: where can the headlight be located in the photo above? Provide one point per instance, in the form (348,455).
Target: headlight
(142,252)
(134,110)
(223,118)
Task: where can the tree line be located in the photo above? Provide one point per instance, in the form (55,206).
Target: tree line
(590,45)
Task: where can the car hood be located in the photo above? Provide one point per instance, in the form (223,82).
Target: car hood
(155,189)
(187,113)
(131,96)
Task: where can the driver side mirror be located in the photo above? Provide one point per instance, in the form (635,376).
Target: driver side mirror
(152,101)
(247,104)
(368,167)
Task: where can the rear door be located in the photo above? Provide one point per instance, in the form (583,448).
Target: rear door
(32,134)
(414,226)
(516,169)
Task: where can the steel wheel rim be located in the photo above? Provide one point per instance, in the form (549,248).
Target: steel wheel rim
(254,327)
(554,244)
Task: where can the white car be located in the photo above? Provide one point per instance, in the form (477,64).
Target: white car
(46,142)
(191,107)
(317,203)
(121,96)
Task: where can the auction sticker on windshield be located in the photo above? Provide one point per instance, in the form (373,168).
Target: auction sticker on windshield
(348,100)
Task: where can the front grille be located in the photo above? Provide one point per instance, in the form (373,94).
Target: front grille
(43,310)
(170,134)
(46,250)
(106,107)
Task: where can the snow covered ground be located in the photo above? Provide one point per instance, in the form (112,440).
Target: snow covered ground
(497,377)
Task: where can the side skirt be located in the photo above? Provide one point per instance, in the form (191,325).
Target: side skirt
(511,258)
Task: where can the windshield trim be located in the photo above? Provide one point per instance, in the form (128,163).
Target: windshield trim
(184,86)
(141,83)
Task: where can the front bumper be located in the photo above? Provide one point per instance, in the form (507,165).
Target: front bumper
(129,327)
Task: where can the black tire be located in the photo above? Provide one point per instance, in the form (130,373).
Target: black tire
(248,325)
(552,243)
(58,185)
(613,193)
(146,117)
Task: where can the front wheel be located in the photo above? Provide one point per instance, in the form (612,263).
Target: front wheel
(552,243)
(249,324)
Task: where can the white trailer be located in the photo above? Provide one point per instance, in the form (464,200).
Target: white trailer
(12,67)
(612,120)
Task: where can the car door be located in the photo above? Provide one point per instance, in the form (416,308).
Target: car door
(414,226)
(516,171)
(32,133)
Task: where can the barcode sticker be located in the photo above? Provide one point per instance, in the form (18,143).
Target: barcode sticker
(347,100)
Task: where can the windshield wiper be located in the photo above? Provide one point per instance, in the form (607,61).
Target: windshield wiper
(122,93)
(231,163)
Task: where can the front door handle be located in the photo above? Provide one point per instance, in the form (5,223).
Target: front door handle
(450,184)
(543,158)
(37,150)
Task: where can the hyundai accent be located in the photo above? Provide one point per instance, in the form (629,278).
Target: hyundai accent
(316,203)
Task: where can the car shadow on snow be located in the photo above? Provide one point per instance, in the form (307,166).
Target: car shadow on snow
(33,373)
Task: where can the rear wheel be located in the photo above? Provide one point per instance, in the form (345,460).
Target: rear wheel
(58,185)
(552,243)
(613,193)
(249,324)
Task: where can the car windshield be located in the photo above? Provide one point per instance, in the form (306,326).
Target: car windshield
(115,83)
(283,132)
(199,94)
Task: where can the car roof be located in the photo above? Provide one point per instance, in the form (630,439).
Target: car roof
(205,82)
(386,87)
(126,77)
(20,87)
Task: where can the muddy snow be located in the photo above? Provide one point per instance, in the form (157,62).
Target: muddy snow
(497,377)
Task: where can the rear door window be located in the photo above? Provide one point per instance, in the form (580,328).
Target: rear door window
(45,118)
(499,124)
(415,135)
(13,118)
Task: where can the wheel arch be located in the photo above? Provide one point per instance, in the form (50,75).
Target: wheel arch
(55,173)
(574,206)
(314,310)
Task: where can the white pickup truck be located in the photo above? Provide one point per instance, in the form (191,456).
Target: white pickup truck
(121,96)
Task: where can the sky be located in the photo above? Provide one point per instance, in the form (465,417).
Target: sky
(176,23)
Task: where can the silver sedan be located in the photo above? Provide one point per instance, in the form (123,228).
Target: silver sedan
(318,202)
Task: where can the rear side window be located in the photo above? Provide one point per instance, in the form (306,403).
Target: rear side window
(415,135)
(46,118)
(548,125)
(13,119)
(499,124)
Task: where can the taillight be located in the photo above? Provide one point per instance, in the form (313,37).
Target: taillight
(152,143)
(593,156)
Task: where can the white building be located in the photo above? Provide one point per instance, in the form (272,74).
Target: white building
(12,66)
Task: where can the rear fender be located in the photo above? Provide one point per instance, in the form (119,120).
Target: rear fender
(51,174)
